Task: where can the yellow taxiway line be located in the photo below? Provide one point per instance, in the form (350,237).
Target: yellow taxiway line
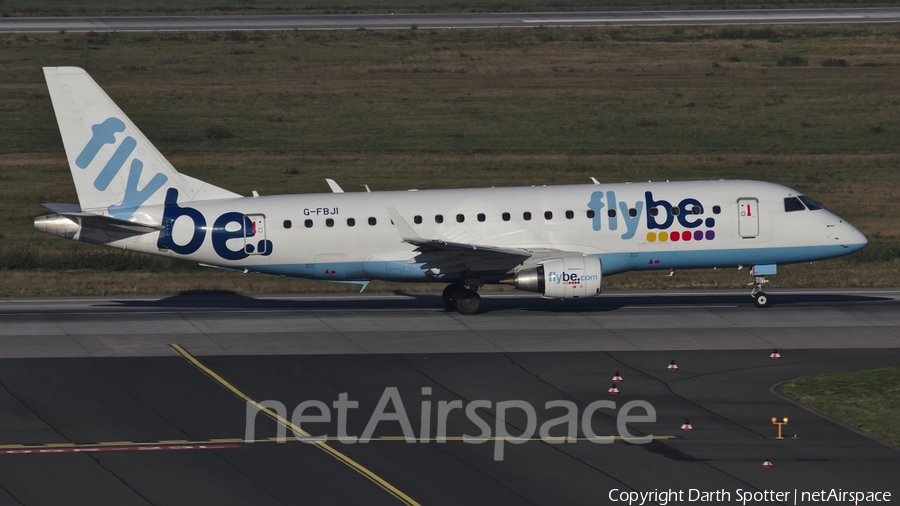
(237,440)
(374,478)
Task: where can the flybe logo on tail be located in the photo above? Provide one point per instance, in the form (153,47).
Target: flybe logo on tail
(105,133)
(660,215)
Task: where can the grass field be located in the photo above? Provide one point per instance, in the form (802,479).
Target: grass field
(208,7)
(815,108)
(868,398)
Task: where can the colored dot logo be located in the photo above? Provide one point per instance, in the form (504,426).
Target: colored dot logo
(697,235)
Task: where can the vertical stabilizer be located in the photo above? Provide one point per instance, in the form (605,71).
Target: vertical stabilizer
(115,168)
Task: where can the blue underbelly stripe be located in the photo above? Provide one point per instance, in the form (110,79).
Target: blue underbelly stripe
(613,263)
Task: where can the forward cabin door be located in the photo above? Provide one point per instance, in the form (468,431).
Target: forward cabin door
(748,217)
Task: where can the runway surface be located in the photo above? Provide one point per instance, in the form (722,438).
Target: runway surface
(118,416)
(417,323)
(448,20)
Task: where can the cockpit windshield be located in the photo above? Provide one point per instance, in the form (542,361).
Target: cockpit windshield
(810,203)
(793,204)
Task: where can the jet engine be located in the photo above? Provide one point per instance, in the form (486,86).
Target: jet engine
(562,278)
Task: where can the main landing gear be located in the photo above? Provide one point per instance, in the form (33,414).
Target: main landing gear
(759,297)
(461,298)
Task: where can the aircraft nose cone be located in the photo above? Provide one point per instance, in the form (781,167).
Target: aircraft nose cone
(855,239)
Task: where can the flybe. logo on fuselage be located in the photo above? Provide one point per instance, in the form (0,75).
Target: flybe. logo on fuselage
(230,225)
(661,215)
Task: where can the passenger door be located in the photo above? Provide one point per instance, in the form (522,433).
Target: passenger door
(748,217)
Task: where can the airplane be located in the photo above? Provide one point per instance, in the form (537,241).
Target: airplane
(558,241)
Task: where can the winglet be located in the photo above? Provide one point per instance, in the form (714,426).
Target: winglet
(335,188)
(406,232)
(595,180)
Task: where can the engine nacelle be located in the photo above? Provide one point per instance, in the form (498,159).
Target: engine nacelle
(562,278)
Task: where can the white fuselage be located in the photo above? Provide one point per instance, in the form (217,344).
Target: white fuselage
(309,236)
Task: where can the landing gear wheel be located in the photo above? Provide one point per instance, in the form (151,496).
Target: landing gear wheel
(467,301)
(449,295)
(759,297)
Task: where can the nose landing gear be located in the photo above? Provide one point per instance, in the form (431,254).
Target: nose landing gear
(759,297)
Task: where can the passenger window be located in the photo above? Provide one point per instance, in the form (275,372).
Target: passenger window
(590,213)
(548,215)
(308,223)
(372,221)
(696,210)
(526,216)
(654,211)
(351,222)
(329,222)
(481,217)
(717,209)
(810,203)
(438,218)
(505,216)
(676,211)
(570,215)
(792,204)
(417,219)
(611,213)
(287,223)
(460,218)
(632,212)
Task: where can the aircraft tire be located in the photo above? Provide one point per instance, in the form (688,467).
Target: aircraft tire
(449,295)
(467,302)
(761,300)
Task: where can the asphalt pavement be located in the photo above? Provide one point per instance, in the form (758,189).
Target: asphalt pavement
(390,21)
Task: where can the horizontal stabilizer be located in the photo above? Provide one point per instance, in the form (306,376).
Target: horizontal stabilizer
(112,225)
(98,222)
(62,208)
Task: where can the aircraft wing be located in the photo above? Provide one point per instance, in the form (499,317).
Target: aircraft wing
(451,257)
